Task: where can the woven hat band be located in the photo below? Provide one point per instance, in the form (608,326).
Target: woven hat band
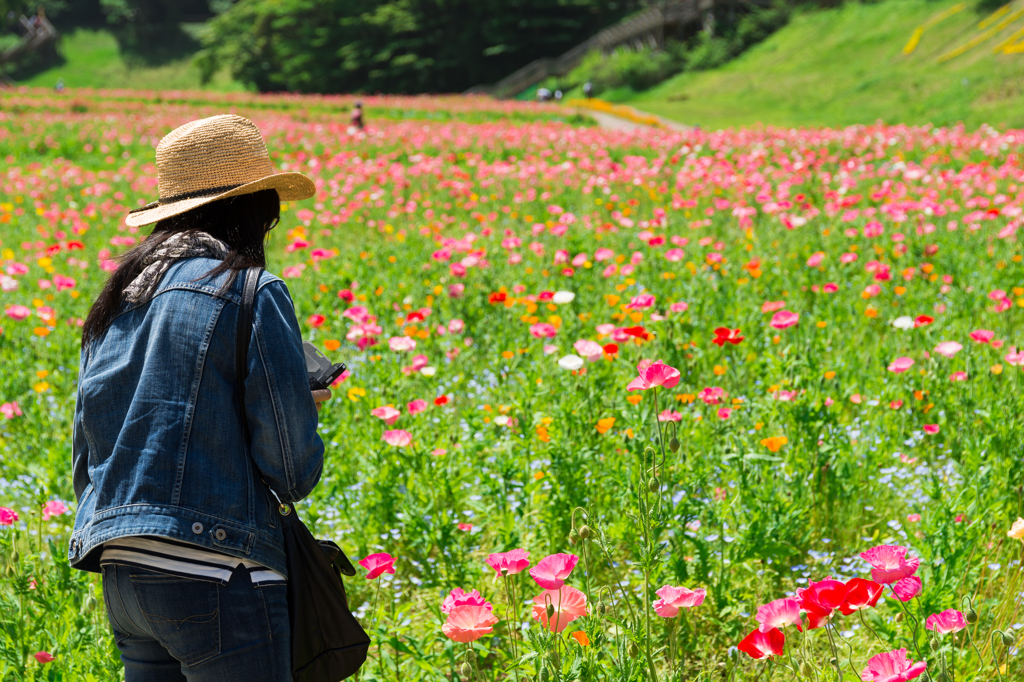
(188,195)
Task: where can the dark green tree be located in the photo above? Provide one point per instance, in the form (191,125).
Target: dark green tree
(395,45)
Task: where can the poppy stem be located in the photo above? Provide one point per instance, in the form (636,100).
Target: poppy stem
(864,622)
(835,652)
(913,620)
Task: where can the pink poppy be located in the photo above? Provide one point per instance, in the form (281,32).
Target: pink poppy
(763,644)
(712,395)
(948,621)
(784,319)
(860,594)
(675,598)
(772,306)
(931,429)
(62,282)
(316,320)
(913,518)
(419,361)
(456,290)
(907,588)
(551,571)
(417,406)
(17,312)
(458,597)
(670,416)
(901,364)
(724,413)
(890,563)
(511,562)
(543,330)
(401,343)
(456,326)
(948,348)
(603,255)
(438,452)
(7,516)
(568,602)
(378,564)
(848,258)
(387,413)
(778,614)
(655,374)
(892,666)
(465,527)
(1014,358)
(815,259)
(398,438)
(591,350)
(468,623)
(982,335)
(679,307)
(43,656)
(641,302)
(958,376)
(10,410)
(53,508)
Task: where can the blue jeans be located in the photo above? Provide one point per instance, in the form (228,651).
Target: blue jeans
(171,629)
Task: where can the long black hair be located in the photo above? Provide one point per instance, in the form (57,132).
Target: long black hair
(241,222)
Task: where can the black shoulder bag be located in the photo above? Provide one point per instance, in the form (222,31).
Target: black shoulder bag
(328,644)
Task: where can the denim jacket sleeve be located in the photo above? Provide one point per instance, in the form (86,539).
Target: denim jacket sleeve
(79,444)
(282,415)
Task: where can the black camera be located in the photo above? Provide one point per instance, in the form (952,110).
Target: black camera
(319,368)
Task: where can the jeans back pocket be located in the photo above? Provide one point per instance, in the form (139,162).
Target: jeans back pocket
(183,614)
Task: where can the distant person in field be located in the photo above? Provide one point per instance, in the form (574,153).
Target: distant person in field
(543,95)
(178,502)
(357,116)
(588,89)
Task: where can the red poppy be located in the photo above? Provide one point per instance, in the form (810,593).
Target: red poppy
(638,332)
(860,594)
(724,335)
(73,245)
(763,644)
(820,600)
(923,320)
(441,400)
(546,295)
(497,297)
(417,316)
(611,348)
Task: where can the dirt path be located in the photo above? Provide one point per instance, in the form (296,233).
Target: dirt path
(615,123)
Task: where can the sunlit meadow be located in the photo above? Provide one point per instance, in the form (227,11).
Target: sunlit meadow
(649,405)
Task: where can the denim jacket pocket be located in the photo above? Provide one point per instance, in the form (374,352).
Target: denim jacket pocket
(183,614)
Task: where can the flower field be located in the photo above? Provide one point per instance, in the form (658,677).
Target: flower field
(646,405)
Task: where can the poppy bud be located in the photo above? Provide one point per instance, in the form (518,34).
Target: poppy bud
(1007,638)
(899,617)
(807,670)
(9,571)
(584,532)
(572,541)
(935,645)
(942,677)
(970,615)
(550,610)
(673,444)
(89,604)
(466,670)
(632,650)
(654,485)
(15,557)
(833,661)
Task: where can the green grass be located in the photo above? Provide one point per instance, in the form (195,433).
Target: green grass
(845,66)
(92,60)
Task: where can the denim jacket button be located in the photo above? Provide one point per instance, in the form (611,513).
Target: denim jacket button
(197,528)
(220,534)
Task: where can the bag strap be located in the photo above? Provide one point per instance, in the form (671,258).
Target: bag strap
(243,333)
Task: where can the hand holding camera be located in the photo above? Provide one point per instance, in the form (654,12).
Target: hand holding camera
(321,372)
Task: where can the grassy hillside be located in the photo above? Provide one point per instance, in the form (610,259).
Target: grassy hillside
(846,65)
(92,60)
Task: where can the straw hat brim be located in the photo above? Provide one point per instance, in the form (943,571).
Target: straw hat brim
(289,186)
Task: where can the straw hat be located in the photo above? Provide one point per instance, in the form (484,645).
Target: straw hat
(215,158)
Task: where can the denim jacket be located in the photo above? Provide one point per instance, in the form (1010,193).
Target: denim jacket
(158,445)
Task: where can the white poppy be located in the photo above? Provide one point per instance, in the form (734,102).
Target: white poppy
(501,420)
(571,362)
(561,297)
(428,371)
(904,322)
